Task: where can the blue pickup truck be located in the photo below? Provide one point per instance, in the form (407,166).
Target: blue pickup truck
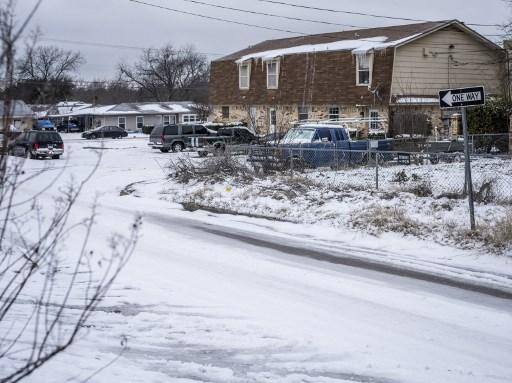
(321,145)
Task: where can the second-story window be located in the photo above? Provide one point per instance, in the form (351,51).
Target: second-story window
(244,76)
(272,74)
(364,64)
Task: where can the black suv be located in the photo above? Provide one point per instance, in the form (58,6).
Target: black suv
(105,132)
(37,144)
(176,137)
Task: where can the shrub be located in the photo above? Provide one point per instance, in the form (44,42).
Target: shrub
(147,129)
(421,189)
(485,192)
(212,168)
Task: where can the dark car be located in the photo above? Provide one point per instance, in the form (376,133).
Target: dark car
(237,135)
(105,132)
(176,137)
(68,127)
(38,144)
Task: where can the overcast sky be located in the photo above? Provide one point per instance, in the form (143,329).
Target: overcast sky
(121,22)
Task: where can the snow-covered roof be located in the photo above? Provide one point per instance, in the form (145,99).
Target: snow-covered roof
(124,109)
(19,110)
(66,107)
(357,46)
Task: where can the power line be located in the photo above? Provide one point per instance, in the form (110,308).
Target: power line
(115,46)
(272,14)
(215,18)
(327,35)
(362,13)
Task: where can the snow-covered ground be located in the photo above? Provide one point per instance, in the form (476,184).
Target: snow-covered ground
(226,298)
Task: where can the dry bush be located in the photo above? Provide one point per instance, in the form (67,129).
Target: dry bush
(377,219)
(498,235)
(213,169)
(421,189)
(485,192)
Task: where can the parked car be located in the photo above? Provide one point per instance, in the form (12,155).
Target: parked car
(105,132)
(38,144)
(319,145)
(236,135)
(176,137)
(68,127)
(44,125)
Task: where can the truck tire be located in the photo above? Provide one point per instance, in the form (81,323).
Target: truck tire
(218,149)
(178,147)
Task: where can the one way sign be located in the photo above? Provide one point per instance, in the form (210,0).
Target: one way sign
(452,98)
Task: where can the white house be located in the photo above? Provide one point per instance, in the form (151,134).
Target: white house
(130,116)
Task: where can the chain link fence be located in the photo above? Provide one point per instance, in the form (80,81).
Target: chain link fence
(421,173)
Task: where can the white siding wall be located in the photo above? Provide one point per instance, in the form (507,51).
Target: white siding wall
(131,120)
(424,66)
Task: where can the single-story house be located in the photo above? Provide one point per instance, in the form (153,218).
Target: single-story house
(373,75)
(130,116)
(23,117)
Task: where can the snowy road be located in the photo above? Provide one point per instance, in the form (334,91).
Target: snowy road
(211,298)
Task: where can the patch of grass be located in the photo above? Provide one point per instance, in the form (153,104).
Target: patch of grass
(377,219)
(498,235)
(420,189)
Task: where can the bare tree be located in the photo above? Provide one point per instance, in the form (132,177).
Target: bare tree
(45,299)
(168,73)
(44,73)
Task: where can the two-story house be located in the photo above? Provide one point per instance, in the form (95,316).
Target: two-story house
(380,74)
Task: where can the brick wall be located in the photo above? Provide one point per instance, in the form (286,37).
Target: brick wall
(287,115)
(313,79)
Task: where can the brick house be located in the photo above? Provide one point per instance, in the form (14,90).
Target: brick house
(378,74)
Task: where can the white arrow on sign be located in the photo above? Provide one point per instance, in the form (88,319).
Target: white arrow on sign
(447,99)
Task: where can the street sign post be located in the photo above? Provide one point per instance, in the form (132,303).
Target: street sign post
(463,98)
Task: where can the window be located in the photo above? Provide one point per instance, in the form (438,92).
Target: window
(374,119)
(364,69)
(187,129)
(140,122)
(325,135)
(121,122)
(272,74)
(244,75)
(166,120)
(273,117)
(334,113)
(200,129)
(171,130)
(303,113)
(225,112)
(190,118)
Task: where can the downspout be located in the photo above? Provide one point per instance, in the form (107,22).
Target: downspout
(391,86)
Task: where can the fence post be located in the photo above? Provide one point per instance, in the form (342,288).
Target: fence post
(377,169)
(469,182)
(291,160)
